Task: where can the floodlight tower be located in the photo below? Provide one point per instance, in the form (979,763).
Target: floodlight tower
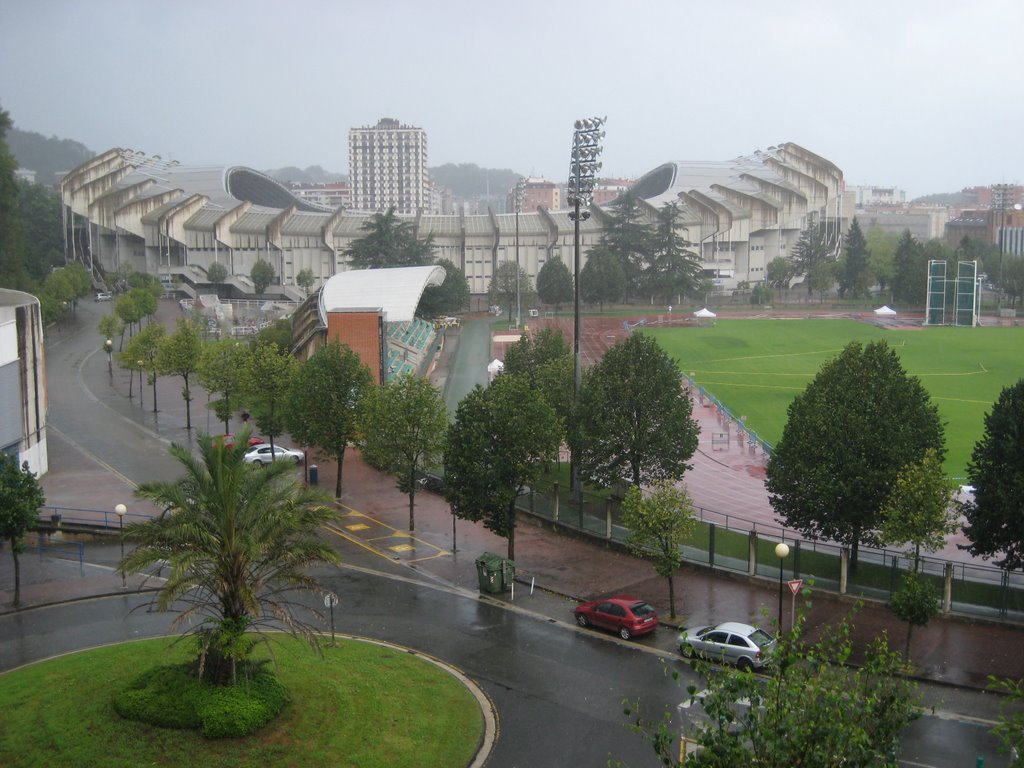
(583,170)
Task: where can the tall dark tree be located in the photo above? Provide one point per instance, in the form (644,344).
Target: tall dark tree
(21,498)
(673,269)
(554,283)
(498,445)
(39,211)
(389,242)
(910,273)
(634,424)
(995,518)
(14,271)
(855,273)
(323,406)
(811,249)
(847,436)
(233,546)
(449,298)
(602,278)
(629,236)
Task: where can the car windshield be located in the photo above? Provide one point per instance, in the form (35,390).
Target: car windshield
(641,609)
(760,638)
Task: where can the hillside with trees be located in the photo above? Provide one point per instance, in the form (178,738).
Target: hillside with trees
(50,157)
(470,180)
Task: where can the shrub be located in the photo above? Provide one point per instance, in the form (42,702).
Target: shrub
(173,697)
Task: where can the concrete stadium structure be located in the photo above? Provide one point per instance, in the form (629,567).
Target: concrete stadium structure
(124,209)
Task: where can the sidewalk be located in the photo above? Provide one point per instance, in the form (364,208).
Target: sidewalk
(561,567)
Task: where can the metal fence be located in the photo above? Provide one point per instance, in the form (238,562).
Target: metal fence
(732,543)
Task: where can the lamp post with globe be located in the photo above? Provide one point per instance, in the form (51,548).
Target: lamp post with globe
(121,510)
(781,552)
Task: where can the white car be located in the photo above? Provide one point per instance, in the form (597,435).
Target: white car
(741,644)
(262,454)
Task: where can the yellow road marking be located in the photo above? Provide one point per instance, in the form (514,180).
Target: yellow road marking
(391,534)
(358,527)
(402,548)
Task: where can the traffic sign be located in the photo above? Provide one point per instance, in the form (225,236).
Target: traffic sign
(794,586)
(330,600)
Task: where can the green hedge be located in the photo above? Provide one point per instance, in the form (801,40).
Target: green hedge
(173,697)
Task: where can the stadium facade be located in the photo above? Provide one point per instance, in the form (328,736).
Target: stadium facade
(124,209)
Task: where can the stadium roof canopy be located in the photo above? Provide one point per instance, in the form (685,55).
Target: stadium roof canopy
(396,291)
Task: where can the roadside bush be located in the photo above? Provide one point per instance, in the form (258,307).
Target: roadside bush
(172,697)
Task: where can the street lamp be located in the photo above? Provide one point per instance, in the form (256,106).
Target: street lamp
(108,345)
(583,169)
(121,510)
(781,551)
(520,191)
(140,364)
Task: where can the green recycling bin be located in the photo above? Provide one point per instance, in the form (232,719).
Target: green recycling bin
(495,573)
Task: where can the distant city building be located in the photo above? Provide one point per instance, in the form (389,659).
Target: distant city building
(607,190)
(924,222)
(872,195)
(22,380)
(388,167)
(337,194)
(995,196)
(539,193)
(993,226)
(25,174)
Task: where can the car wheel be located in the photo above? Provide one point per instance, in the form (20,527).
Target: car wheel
(687,650)
(624,633)
(745,664)
(297,460)
(581,620)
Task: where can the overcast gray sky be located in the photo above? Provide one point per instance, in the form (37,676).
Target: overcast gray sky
(922,95)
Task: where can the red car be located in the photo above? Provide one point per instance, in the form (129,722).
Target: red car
(629,616)
(229,441)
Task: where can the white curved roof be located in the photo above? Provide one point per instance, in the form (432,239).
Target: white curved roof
(396,291)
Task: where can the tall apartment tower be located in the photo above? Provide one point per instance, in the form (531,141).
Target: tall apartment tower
(388,167)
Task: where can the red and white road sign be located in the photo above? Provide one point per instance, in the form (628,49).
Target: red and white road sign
(794,586)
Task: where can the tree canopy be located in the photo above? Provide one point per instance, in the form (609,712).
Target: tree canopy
(21,498)
(634,424)
(450,297)
(502,291)
(545,359)
(389,242)
(847,437)
(403,426)
(554,283)
(602,278)
(178,355)
(995,518)
(324,400)
(222,366)
(262,274)
(659,524)
(498,445)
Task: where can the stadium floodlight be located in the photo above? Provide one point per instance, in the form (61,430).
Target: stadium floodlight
(583,169)
(518,195)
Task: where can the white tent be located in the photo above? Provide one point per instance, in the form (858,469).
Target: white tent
(494,368)
(704,313)
(885,311)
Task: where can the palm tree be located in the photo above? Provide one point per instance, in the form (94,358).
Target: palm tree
(237,541)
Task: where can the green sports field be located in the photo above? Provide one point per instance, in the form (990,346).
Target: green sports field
(757,367)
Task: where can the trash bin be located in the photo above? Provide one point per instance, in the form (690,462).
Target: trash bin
(495,573)
(314,475)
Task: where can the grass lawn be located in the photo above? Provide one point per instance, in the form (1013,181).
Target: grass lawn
(757,367)
(360,705)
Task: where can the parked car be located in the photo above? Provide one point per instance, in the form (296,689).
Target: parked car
(741,644)
(103,296)
(262,454)
(229,440)
(629,616)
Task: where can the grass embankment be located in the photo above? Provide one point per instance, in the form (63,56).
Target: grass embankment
(360,705)
(757,367)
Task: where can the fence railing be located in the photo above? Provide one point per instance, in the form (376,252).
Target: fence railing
(731,543)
